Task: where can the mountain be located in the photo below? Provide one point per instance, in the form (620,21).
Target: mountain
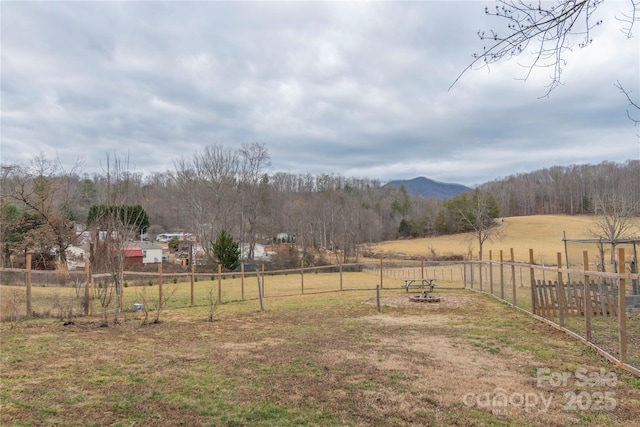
(426,187)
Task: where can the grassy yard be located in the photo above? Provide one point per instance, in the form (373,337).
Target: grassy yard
(317,356)
(316,359)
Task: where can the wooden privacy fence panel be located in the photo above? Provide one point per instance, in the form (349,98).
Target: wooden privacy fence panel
(602,298)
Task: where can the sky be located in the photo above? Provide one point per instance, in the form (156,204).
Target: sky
(358,89)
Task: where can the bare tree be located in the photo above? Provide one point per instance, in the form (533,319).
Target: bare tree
(156,303)
(550,27)
(213,303)
(114,224)
(43,190)
(254,160)
(477,213)
(614,220)
(208,185)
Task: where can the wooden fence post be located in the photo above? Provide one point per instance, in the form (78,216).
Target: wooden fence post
(260,291)
(472,268)
(586,297)
(28,283)
(219,283)
(193,274)
(513,276)
(242,279)
(501,275)
(121,290)
(92,285)
(562,303)
(422,268)
(464,274)
(160,285)
(491,272)
(543,299)
(302,275)
(87,273)
(622,308)
(480,268)
(378,297)
(380,271)
(532,278)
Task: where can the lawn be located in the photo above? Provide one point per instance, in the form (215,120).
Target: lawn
(316,359)
(316,355)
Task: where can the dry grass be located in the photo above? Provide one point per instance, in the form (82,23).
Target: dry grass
(542,233)
(324,359)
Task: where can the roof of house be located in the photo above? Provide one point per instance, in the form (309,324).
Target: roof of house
(131,252)
(145,246)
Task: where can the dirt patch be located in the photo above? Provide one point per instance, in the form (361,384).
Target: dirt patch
(451,371)
(447,301)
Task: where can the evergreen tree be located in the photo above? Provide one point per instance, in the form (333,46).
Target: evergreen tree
(226,250)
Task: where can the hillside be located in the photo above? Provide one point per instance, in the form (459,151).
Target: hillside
(542,233)
(426,187)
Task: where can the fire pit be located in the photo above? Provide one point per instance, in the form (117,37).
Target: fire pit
(424,297)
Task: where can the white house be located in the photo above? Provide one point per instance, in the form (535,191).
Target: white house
(259,252)
(151,253)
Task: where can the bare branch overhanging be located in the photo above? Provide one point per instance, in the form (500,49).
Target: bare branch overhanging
(552,27)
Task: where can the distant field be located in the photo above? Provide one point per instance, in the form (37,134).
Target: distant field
(542,233)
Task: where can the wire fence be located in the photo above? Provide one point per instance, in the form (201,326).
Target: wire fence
(64,295)
(600,309)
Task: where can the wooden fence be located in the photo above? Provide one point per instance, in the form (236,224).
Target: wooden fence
(550,297)
(601,309)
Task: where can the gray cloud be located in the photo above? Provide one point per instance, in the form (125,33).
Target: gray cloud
(347,88)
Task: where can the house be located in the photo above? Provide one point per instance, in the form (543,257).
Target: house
(151,252)
(132,255)
(259,252)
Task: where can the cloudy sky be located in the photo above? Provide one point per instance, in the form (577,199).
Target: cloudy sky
(351,88)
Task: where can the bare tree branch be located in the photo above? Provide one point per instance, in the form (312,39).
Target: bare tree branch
(632,103)
(551,26)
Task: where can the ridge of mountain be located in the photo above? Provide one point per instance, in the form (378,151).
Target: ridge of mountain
(422,186)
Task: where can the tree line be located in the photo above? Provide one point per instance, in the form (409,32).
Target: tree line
(44,206)
(570,190)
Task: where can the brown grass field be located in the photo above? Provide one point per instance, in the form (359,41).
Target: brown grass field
(542,233)
(321,359)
